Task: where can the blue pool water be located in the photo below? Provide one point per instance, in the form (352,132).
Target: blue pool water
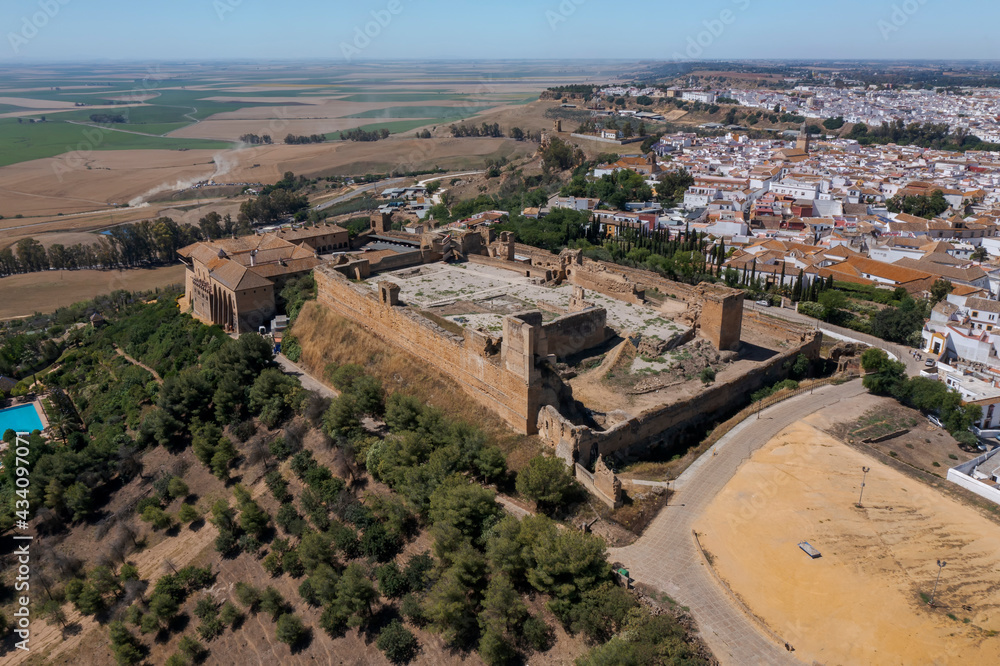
(23,418)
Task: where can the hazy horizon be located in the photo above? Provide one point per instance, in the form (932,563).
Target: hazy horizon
(62,31)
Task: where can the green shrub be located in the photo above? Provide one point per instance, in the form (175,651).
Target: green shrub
(397,643)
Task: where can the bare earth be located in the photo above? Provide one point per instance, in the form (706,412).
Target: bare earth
(860,602)
(41,189)
(49,290)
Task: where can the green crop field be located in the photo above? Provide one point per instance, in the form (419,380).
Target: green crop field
(440,112)
(376,98)
(32,141)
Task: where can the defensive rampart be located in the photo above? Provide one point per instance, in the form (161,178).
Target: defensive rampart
(471,360)
(669,425)
(576,332)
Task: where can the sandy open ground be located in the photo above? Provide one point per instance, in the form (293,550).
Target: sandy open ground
(92,180)
(50,290)
(860,603)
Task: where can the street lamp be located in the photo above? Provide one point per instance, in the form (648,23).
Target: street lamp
(941,565)
(865,478)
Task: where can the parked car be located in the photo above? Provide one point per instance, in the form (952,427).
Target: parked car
(935,420)
(764,304)
(930,363)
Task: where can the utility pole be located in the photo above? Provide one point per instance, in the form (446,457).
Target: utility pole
(941,565)
(863,479)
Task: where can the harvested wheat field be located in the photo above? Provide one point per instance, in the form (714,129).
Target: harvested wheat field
(41,189)
(93,180)
(863,601)
(49,290)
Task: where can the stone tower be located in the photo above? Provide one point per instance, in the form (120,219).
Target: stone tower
(722,316)
(803,140)
(382,223)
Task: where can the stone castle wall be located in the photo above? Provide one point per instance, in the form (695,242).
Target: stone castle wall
(576,332)
(392,262)
(480,374)
(669,425)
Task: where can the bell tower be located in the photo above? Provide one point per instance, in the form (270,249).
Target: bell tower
(803,140)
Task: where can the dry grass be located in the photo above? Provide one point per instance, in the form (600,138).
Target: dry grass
(328,338)
(640,509)
(49,290)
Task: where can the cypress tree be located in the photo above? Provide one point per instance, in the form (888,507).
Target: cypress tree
(797,289)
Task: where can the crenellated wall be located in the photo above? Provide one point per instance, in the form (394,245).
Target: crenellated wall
(515,395)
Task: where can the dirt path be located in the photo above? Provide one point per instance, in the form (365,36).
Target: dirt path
(156,376)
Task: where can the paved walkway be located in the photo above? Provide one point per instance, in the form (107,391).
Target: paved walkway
(667,558)
(308,381)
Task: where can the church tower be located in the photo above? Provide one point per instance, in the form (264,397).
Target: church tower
(803,141)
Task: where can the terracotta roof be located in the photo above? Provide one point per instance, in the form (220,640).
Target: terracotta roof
(238,278)
(966,290)
(983,304)
(953,273)
(307,233)
(937,246)
(901,275)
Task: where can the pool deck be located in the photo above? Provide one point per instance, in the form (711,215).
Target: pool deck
(41,413)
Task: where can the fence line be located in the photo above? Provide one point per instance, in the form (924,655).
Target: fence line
(723,428)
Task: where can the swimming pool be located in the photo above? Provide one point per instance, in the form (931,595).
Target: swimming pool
(23,418)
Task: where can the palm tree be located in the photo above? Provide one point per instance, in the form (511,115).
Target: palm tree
(62,424)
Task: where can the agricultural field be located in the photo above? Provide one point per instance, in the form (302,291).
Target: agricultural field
(49,290)
(157,132)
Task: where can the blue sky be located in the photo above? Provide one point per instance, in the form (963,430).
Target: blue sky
(87,30)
